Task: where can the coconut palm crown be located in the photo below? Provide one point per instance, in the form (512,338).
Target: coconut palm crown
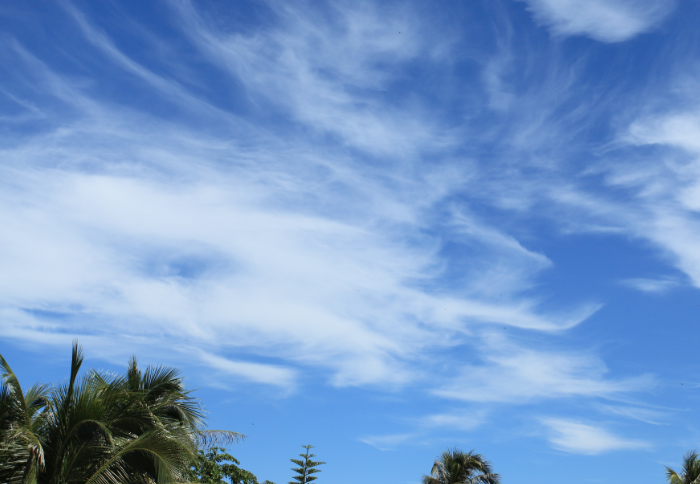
(143,427)
(457,467)
(690,474)
(21,421)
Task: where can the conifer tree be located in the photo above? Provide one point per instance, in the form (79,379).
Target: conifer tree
(306,467)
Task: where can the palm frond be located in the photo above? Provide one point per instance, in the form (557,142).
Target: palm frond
(212,438)
(171,456)
(12,388)
(672,477)
(76,362)
(99,428)
(455,466)
(36,398)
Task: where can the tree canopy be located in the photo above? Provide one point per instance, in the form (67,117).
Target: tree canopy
(307,467)
(454,466)
(139,428)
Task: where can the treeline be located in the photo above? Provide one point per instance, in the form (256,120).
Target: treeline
(144,427)
(214,466)
(100,428)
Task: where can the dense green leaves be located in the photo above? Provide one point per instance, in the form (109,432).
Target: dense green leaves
(689,474)
(141,428)
(21,423)
(457,467)
(306,467)
(212,467)
(145,428)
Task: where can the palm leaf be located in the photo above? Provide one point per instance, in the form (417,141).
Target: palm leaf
(212,438)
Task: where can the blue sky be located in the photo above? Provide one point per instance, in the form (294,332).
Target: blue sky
(381,228)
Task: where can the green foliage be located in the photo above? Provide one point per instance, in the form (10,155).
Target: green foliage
(690,474)
(213,467)
(140,428)
(146,428)
(21,449)
(457,467)
(306,467)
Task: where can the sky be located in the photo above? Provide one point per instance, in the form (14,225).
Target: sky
(382,228)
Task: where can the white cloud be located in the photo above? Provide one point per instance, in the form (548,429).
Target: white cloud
(603,20)
(675,129)
(389,442)
(651,196)
(423,428)
(651,285)
(579,438)
(667,193)
(327,72)
(256,372)
(280,247)
(207,263)
(467,419)
(256,243)
(517,375)
(646,415)
(212,261)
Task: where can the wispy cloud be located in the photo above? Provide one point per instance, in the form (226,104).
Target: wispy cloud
(513,374)
(606,21)
(467,419)
(259,373)
(423,429)
(313,194)
(328,70)
(279,247)
(646,415)
(651,285)
(580,438)
(666,190)
(389,442)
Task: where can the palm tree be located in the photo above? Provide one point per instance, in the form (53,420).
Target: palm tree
(690,474)
(21,450)
(457,467)
(141,428)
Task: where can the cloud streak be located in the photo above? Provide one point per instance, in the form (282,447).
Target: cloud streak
(512,374)
(314,225)
(580,438)
(651,285)
(277,248)
(605,21)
